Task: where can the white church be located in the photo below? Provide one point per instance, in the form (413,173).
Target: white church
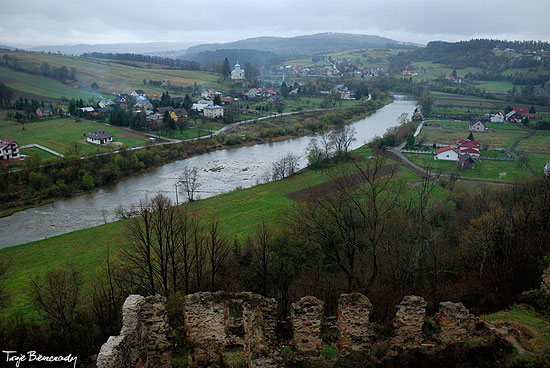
(237,73)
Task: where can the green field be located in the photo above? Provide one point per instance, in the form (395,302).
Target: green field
(484,170)
(60,135)
(37,86)
(463,125)
(110,76)
(489,140)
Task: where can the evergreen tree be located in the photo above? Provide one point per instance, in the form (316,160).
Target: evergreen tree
(217,100)
(187,103)
(284,90)
(226,70)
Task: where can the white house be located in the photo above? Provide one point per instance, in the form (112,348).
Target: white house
(104,103)
(546,170)
(137,92)
(213,111)
(87,109)
(237,73)
(199,106)
(99,137)
(8,149)
(497,118)
(447,154)
(477,126)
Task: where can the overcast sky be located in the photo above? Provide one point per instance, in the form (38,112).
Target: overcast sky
(47,22)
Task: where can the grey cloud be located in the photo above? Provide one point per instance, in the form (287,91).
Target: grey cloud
(33,22)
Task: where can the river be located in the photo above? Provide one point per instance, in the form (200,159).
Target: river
(220,172)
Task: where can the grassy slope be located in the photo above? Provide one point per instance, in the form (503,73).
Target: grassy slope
(238,212)
(59,134)
(110,76)
(534,330)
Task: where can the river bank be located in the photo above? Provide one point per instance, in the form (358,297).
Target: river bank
(239,167)
(42,190)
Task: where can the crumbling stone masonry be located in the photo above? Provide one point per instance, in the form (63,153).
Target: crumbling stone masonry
(545,285)
(353,322)
(220,321)
(306,316)
(456,323)
(143,338)
(408,322)
(214,321)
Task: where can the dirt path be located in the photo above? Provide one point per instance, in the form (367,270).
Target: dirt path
(516,142)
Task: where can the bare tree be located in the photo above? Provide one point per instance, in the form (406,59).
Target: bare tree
(4,295)
(188,181)
(139,253)
(110,291)
(216,250)
(342,139)
(285,166)
(262,253)
(57,296)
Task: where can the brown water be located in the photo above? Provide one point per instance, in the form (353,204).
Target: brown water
(220,172)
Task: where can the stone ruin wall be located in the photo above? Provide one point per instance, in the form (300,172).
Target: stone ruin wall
(143,340)
(248,322)
(214,321)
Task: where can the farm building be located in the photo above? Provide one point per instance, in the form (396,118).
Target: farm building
(497,118)
(477,126)
(99,137)
(546,170)
(447,154)
(466,161)
(44,112)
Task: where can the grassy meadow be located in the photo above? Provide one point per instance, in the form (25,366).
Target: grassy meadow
(60,134)
(110,76)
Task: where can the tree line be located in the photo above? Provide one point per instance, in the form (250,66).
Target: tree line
(151,59)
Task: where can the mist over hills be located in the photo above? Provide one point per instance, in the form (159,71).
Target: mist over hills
(134,48)
(307,44)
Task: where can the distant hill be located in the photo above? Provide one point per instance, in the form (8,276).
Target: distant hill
(134,48)
(309,44)
(5,47)
(255,57)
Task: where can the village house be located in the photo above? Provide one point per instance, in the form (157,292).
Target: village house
(237,73)
(477,126)
(154,121)
(143,105)
(199,106)
(514,117)
(99,137)
(466,161)
(44,112)
(546,170)
(87,109)
(8,149)
(213,111)
(163,109)
(497,118)
(138,92)
(447,154)
(104,103)
(181,113)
